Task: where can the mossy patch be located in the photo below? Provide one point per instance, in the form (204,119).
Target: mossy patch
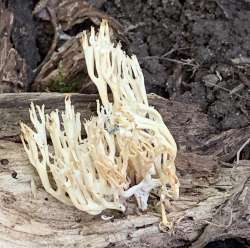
(60,84)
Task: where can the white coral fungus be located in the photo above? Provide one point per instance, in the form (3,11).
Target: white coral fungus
(128,150)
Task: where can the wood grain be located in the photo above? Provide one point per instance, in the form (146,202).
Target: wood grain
(214,199)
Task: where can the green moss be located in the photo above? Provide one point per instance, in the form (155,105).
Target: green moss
(60,84)
(154,207)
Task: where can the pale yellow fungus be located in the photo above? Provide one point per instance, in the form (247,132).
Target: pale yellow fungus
(128,150)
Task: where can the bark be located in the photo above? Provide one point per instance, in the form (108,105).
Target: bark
(213,204)
(39,44)
(13,69)
(64,65)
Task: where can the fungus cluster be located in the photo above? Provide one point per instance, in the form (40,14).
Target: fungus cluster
(128,150)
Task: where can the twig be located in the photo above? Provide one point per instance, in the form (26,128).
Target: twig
(222,8)
(170,52)
(240,150)
(227,90)
(221,225)
(241,60)
(178,61)
(243,195)
(236,89)
(107,218)
(165,54)
(244,79)
(133,27)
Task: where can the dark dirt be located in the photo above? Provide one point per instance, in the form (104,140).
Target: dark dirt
(228,243)
(186,49)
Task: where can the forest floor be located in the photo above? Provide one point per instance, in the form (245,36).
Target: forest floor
(193,51)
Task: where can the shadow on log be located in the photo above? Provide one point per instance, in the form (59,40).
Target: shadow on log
(214,197)
(12,67)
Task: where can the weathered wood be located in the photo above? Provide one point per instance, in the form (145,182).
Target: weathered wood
(70,13)
(64,66)
(188,123)
(42,221)
(14,108)
(12,67)
(23,35)
(31,62)
(214,199)
(192,123)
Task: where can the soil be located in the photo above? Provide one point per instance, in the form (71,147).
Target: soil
(188,49)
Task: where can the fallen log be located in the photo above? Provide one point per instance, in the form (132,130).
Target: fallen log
(213,204)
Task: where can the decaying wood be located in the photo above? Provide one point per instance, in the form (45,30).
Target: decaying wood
(23,36)
(72,12)
(23,67)
(192,123)
(66,65)
(189,125)
(64,62)
(14,109)
(12,67)
(213,204)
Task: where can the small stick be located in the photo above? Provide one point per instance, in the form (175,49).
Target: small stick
(227,90)
(240,150)
(236,89)
(244,79)
(178,61)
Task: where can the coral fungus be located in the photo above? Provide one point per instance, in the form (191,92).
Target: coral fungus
(128,150)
